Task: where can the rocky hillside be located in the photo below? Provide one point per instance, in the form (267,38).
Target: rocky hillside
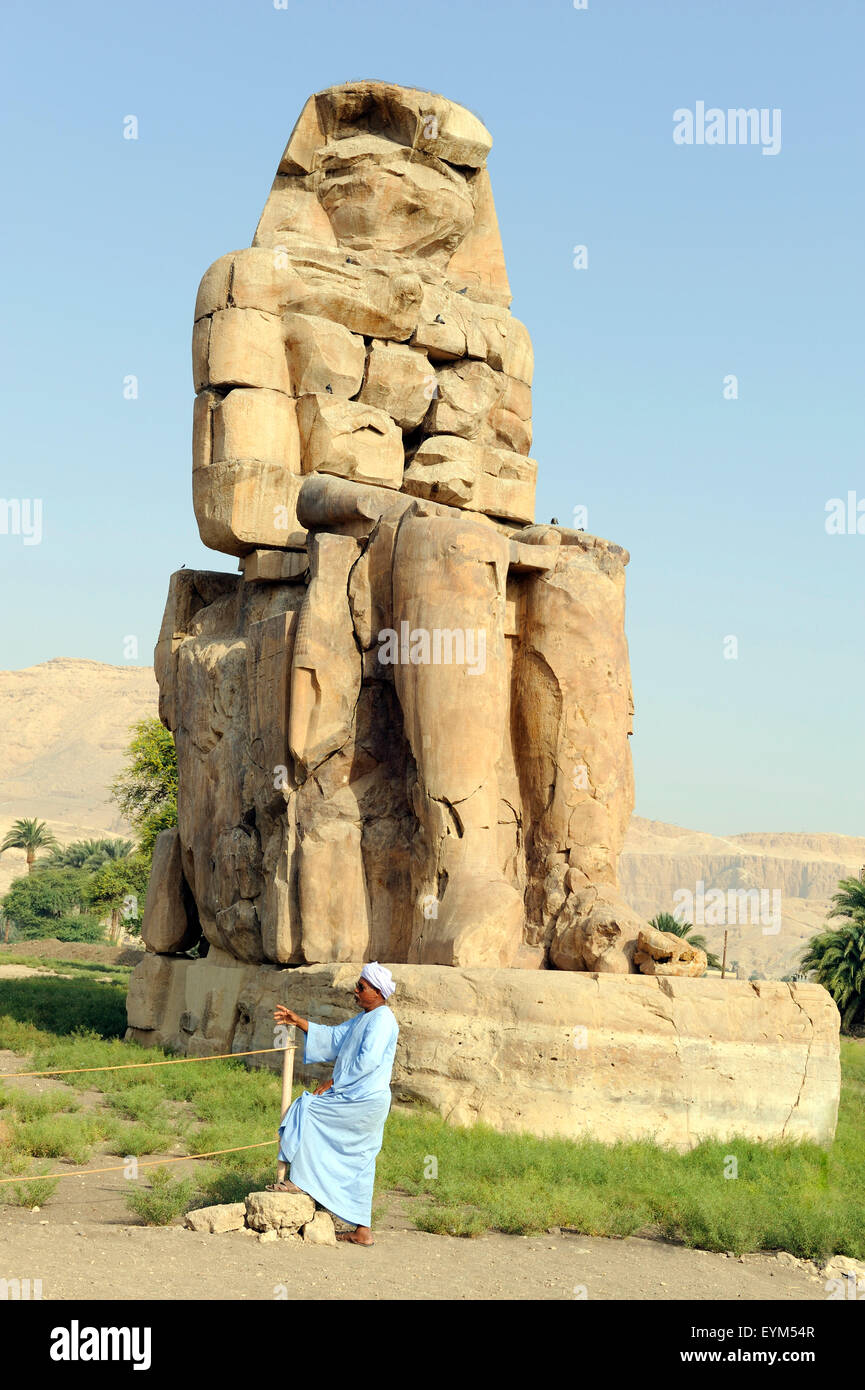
(803,869)
(64,725)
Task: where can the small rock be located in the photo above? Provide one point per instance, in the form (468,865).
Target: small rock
(268,1236)
(216,1220)
(273,1211)
(839,1265)
(320,1230)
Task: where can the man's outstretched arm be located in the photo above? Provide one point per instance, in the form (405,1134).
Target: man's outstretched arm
(284,1015)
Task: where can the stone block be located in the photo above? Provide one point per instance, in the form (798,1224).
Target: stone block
(278,1211)
(256,426)
(242,506)
(400,381)
(166,926)
(479,477)
(467,393)
(156,992)
(571,1053)
(351,440)
(274,566)
(240,347)
(323,356)
(217,1220)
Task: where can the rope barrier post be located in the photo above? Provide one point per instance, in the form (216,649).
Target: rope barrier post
(287,1078)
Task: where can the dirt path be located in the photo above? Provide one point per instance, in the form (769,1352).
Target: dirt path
(23,972)
(89,1257)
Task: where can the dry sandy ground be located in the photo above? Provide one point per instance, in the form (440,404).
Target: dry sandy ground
(22,972)
(106,1259)
(84,1244)
(25,972)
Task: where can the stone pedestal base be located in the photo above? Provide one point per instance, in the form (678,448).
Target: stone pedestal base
(616,1057)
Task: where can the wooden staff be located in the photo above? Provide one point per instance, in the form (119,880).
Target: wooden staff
(287,1078)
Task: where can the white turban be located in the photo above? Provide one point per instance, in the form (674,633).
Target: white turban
(379,977)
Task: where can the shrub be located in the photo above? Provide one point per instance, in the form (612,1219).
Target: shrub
(84,927)
(164,1200)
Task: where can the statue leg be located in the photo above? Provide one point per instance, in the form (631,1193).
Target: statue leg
(573,717)
(325,687)
(450,674)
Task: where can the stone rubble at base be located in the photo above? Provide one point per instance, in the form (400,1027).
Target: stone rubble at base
(271,1216)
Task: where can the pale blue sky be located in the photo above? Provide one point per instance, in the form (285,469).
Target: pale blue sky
(703,261)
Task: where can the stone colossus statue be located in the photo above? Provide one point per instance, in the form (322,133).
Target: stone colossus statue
(402,730)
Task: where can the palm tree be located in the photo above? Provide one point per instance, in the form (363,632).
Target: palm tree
(849,901)
(86,854)
(838,961)
(665,921)
(71,856)
(837,956)
(29,835)
(117,849)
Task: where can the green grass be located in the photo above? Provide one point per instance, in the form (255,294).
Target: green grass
(66,1006)
(452,1221)
(218,1105)
(797,1197)
(136,1140)
(59,1136)
(36,1107)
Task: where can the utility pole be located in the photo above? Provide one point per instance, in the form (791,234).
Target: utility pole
(724,960)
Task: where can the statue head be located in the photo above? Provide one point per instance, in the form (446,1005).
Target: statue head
(381,195)
(371,166)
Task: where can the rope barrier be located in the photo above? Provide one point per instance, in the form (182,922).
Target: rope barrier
(122,1066)
(170,1062)
(149,1163)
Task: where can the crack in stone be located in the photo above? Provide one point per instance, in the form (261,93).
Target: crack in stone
(795,1104)
(666,989)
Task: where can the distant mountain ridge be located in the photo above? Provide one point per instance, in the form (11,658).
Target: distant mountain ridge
(64,726)
(804,868)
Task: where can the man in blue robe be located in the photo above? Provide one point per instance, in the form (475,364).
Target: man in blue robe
(331,1137)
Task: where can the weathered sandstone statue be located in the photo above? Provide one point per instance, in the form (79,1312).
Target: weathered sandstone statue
(402,728)
(403,731)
